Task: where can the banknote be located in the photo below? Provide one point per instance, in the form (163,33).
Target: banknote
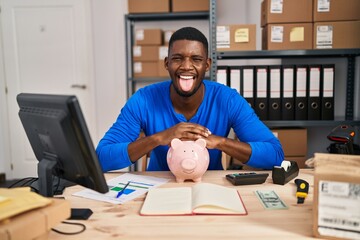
(270,200)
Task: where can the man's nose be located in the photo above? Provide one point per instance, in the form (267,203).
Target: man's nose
(187,63)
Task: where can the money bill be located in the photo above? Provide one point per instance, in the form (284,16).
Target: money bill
(270,200)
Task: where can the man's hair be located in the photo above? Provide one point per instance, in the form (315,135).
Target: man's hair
(189,33)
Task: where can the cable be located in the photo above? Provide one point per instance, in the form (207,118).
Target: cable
(21,180)
(70,233)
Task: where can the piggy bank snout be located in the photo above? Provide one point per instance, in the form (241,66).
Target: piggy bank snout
(188,164)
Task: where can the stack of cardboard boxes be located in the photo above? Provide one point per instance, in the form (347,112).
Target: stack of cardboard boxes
(286,24)
(336,24)
(149,53)
(313,24)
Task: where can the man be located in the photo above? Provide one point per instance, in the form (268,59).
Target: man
(188,107)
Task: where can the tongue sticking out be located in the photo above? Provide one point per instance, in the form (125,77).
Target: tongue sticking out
(186,84)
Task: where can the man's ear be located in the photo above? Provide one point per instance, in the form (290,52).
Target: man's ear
(166,63)
(208,64)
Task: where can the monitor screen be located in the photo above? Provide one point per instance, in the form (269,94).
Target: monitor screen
(56,129)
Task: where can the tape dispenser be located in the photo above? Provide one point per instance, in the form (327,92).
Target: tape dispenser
(284,173)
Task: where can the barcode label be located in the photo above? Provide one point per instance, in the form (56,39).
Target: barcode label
(339,209)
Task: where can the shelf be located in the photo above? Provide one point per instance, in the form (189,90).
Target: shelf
(148,79)
(311,123)
(168,16)
(289,53)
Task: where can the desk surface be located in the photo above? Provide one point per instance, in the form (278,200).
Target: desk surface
(111,221)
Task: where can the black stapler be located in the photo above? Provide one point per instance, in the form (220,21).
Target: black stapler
(284,173)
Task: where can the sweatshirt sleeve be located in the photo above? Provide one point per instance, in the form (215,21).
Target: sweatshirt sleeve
(266,149)
(112,149)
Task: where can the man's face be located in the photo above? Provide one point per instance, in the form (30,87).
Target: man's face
(187,64)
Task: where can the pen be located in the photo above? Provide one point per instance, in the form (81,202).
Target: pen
(122,190)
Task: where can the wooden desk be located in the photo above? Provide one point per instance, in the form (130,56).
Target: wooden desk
(124,222)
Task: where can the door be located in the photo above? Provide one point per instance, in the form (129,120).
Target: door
(47,49)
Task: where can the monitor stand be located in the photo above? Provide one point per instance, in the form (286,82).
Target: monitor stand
(49,185)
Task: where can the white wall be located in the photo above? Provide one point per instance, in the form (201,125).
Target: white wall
(110,70)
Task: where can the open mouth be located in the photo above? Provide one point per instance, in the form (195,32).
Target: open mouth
(186,82)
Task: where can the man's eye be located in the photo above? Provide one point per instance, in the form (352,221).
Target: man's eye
(197,59)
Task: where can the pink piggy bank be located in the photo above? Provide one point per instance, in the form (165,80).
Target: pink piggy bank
(188,159)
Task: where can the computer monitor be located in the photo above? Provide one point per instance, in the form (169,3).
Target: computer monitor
(56,129)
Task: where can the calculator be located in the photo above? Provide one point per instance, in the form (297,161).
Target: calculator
(247,178)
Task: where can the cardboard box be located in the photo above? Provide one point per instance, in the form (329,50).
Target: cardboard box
(286,11)
(167,36)
(146,6)
(299,160)
(287,36)
(162,53)
(336,201)
(293,141)
(146,69)
(336,10)
(337,34)
(145,53)
(148,37)
(236,37)
(162,72)
(35,224)
(190,5)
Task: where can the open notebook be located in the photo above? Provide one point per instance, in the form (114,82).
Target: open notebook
(202,198)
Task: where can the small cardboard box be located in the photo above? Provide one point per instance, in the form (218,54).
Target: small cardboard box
(167,36)
(336,10)
(145,53)
(162,72)
(336,202)
(287,36)
(146,69)
(148,37)
(345,34)
(162,53)
(236,37)
(286,11)
(35,224)
(146,6)
(190,5)
(293,141)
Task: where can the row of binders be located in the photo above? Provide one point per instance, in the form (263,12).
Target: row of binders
(284,92)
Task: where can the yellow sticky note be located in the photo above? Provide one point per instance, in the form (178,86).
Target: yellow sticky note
(242,35)
(297,34)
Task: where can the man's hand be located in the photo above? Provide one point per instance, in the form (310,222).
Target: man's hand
(183,131)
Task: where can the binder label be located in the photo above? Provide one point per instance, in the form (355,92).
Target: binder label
(301,82)
(221,76)
(261,83)
(248,83)
(314,82)
(328,87)
(235,79)
(288,89)
(275,83)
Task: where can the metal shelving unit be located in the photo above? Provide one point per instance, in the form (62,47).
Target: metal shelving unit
(349,54)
